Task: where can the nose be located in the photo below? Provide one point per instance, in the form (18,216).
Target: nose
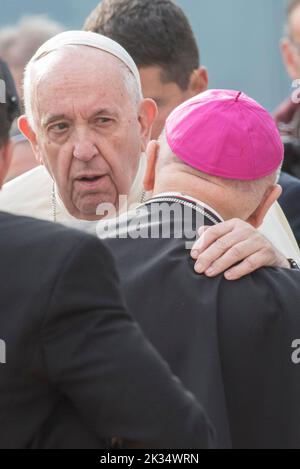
(85,151)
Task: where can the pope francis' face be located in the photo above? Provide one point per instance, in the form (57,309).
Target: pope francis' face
(90,127)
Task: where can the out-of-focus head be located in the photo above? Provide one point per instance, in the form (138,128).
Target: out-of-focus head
(9,110)
(23,158)
(18,43)
(290,44)
(159,38)
(86,119)
(223,148)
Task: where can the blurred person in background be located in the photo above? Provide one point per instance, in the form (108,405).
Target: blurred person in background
(288,114)
(18,43)
(159,38)
(287,117)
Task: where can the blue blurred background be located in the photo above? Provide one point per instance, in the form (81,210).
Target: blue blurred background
(238,39)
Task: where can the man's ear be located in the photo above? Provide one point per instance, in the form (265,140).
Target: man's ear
(271,196)
(27,131)
(289,58)
(6,152)
(198,81)
(152,156)
(147,114)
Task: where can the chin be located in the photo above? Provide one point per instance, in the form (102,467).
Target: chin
(103,209)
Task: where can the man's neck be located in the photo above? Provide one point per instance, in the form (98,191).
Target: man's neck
(189,198)
(205,195)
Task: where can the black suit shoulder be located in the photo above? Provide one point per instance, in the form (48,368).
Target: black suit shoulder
(36,250)
(35,256)
(238,335)
(17,232)
(257,328)
(68,335)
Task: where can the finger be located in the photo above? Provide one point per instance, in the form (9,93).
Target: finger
(211,234)
(248,266)
(227,251)
(196,249)
(202,230)
(230,258)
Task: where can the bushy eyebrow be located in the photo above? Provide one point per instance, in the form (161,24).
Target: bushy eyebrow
(58,117)
(102,111)
(55,118)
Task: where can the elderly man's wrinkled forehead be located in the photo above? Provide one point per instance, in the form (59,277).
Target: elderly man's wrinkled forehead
(82,69)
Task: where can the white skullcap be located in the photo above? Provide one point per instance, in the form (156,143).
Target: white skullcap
(87,38)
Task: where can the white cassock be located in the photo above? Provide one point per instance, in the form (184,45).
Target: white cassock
(32,195)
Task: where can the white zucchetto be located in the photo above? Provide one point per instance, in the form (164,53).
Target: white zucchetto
(90,39)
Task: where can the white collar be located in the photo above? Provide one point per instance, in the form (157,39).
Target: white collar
(192,199)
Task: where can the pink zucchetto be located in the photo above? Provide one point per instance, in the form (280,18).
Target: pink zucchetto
(226,134)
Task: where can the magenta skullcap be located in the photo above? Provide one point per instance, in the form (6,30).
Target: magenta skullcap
(227,134)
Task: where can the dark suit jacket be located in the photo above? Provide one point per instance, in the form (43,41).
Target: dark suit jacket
(289,202)
(69,338)
(229,342)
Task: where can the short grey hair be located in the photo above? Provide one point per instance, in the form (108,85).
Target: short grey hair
(291,7)
(20,42)
(253,188)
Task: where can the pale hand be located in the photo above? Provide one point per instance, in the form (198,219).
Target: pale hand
(236,248)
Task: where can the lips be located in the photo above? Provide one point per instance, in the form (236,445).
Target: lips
(89,178)
(89,181)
